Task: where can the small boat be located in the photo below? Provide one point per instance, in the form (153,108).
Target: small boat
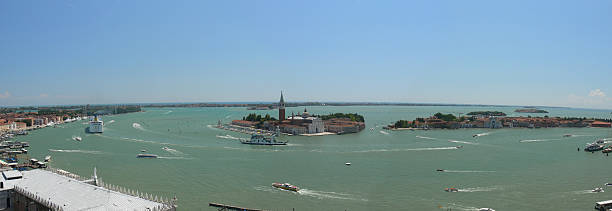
(451,190)
(143,150)
(347,163)
(600,141)
(286,186)
(47,158)
(608,184)
(439,169)
(486,209)
(475,135)
(77,138)
(607,149)
(459,147)
(146,156)
(598,190)
(165,148)
(592,147)
(567,135)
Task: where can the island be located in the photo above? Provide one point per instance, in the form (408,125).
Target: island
(486,113)
(530,110)
(449,121)
(303,123)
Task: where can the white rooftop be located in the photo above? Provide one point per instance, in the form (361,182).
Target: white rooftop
(71,194)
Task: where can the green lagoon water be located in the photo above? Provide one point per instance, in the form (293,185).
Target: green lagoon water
(391,169)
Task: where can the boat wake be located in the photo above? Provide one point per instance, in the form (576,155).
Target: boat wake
(462,142)
(384,132)
(479,189)
(173,151)
(109,122)
(228,116)
(482,134)
(467,171)
(538,140)
(76,151)
(175,158)
(329,195)
(228,137)
(407,149)
(137,126)
(583,192)
(140,140)
(424,137)
(167,112)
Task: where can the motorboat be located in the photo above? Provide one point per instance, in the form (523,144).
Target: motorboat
(146,156)
(143,150)
(459,147)
(608,184)
(440,170)
(598,190)
(77,138)
(486,209)
(567,135)
(607,149)
(451,190)
(47,158)
(600,141)
(347,163)
(286,186)
(592,147)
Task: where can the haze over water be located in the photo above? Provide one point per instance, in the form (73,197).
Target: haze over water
(505,169)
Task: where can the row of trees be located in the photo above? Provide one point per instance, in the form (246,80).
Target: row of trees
(353,117)
(258,118)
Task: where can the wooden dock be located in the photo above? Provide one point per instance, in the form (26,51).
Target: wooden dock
(230,207)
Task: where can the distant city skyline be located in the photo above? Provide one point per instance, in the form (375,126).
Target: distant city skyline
(542,53)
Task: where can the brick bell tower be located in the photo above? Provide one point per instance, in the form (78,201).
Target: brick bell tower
(281,108)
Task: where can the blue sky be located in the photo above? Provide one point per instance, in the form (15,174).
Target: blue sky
(555,53)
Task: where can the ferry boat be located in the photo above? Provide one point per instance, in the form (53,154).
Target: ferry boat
(146,156)
(286,186)
(592,147)
(96,125)
(258,139)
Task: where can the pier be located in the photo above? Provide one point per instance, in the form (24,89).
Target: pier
(230,207)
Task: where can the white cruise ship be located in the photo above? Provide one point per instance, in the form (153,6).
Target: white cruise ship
(96,125)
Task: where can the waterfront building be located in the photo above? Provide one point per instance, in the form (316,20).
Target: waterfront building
(343,125)
(493,122)
(61,190)
(600,124)
(308,124)
(281,108)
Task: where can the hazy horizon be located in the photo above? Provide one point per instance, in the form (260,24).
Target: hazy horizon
(544,53)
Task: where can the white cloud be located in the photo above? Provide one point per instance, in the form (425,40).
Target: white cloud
(5,95)
(597,93)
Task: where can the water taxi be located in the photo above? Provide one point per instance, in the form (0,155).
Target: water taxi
(286,186)
(258,139)
(146,156)
(451,190)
